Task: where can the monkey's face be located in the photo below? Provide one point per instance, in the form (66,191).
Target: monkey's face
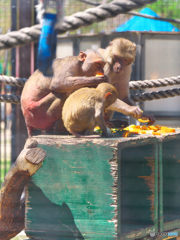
(93,65)
(120,64)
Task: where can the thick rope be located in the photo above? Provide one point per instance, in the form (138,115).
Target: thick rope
(153,17)
(10,98)
(135,98)
(138,14)
(79,19)
(155,95)
(19,82)
(133,85)
(154,83)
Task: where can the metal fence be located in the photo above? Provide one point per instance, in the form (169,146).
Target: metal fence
(5,108)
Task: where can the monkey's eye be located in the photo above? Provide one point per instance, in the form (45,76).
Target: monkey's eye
(117,59)
(127,61)
(98,65)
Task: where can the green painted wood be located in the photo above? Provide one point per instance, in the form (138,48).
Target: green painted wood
(84,185)
(139,166)
(171,182)
(160,188)
(76,183)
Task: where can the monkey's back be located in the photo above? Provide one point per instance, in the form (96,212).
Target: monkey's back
(78,111)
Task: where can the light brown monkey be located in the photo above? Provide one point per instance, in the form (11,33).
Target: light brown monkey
(84,109)
(119,57)
(43,97)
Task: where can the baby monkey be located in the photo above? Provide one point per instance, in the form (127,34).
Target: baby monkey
(84,109)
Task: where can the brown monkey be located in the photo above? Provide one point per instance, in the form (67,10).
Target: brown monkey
(43,97)
(84,109)
(119,56)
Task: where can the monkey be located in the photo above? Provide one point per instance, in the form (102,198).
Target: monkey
(119,57)
(83,110)
(43,97)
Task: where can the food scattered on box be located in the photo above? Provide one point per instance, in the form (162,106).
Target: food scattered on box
(133,130)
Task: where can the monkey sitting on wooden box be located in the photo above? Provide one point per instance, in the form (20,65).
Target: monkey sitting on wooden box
(43,97)
(119,57)
(84,109)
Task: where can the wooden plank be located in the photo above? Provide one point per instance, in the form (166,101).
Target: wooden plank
(76,194)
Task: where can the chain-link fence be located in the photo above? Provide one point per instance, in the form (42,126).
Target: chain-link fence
(5,108)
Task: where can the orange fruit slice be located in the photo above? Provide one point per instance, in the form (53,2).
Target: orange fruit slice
(156,133)
(143,120)
(126,134)
(99,74)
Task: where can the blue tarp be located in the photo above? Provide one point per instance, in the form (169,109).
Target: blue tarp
(145,24)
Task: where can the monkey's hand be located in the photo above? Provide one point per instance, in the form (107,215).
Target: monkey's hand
(99,79)
(134,111)
(149,117)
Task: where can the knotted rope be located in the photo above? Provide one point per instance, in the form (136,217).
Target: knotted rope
(13,81)
(155,95)
(10,98)
(79,19)
(133,85)
(154,83)
(135,98)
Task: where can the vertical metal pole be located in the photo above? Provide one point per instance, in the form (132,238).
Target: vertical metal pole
(13,88)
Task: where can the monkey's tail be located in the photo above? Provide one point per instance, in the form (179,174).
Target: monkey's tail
(83,136)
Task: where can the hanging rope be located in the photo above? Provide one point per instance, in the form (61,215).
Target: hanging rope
(154,83)
(155,95)
(79,19)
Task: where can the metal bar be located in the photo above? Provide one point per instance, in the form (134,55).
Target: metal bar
(13,88)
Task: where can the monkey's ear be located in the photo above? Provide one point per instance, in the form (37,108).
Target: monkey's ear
(108,95)
(111,43)
(82,56)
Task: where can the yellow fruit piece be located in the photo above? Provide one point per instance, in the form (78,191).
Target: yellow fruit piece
(170,130)
(143,120)
(158,127)
(142,132)
(99,74)
(152,128)
(144,128)
(126,134)
(156,133)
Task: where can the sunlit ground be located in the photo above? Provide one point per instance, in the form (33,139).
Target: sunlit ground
(20,236)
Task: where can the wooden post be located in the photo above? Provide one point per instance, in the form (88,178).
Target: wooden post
(12,209)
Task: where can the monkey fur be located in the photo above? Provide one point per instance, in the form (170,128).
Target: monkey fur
(84,109)
(119,57)
(43,97)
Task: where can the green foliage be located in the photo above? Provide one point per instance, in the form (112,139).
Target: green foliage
(166,8)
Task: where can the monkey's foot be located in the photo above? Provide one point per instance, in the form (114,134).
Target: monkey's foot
(117,123)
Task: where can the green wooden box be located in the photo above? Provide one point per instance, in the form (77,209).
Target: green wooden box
(94,189)
(169,183)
